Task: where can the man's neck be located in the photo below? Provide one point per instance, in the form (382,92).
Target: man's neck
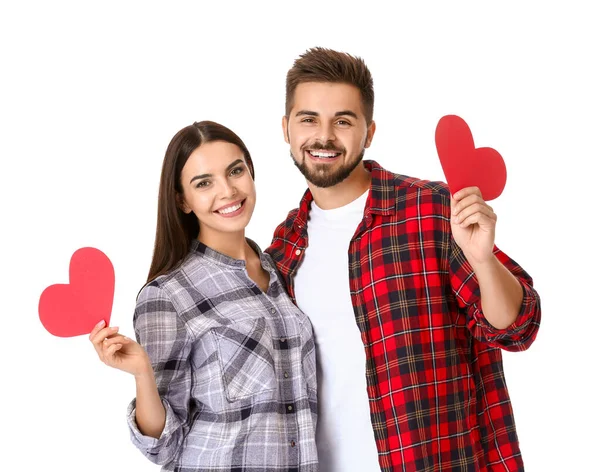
(357,183)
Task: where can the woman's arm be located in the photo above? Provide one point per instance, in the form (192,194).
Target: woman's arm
(150,414)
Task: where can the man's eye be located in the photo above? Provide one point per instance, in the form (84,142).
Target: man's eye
(307,120)
(343,122)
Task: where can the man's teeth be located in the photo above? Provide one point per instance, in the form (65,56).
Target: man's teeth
(230,209)
(324,154)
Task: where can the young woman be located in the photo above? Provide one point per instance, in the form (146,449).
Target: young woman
(225,367)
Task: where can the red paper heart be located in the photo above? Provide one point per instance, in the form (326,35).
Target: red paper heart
(463,164)
(75,308)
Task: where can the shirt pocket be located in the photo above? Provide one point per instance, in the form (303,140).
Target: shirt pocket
(246,359)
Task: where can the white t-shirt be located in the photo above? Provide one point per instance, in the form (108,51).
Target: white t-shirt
(345,439)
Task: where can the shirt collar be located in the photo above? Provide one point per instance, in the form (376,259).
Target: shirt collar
(223,259)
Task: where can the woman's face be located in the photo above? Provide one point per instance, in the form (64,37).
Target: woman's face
(218,188)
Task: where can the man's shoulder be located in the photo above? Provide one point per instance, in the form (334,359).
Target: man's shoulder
(405,183)
(391,191)
(402,184)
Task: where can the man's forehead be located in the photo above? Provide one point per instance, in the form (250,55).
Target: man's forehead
(315,88)
(326,97)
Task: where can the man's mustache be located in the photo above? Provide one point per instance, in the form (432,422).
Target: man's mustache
(318,146)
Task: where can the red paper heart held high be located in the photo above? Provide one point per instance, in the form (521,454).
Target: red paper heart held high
(463,164)
(74,309)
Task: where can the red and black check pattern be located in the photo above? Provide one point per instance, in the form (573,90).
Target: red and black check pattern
(435,380)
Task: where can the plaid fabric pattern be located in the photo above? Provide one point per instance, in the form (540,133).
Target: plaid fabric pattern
(438,397)
(235,369)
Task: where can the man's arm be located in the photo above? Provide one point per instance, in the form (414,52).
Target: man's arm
(501,293)
(502,306)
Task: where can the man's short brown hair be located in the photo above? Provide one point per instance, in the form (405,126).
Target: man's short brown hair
(326,65)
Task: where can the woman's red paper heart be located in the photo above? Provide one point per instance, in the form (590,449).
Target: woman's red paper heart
(74,309)
(463,164)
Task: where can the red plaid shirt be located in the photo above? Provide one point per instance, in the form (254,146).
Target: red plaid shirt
(435,381)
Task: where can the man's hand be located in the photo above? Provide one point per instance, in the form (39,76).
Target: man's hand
(473,225)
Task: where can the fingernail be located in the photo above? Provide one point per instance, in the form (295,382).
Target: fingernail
(100,323)
(125,338)
(115,328)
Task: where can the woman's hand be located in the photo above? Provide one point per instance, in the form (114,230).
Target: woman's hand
(119,351)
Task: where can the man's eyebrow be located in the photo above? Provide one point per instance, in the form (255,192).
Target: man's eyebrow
(339,113)
(306,112)
(203,176)
(347,113)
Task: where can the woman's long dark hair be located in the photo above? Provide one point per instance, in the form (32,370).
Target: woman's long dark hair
(175,229)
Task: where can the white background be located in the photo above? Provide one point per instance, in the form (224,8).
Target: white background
(92,92)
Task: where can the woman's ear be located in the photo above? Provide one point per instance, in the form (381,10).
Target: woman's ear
(181,203)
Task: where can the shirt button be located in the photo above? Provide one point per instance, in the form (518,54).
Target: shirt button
(272,310)
(298,251)
(286,375)
(282,340)
(290,408)
(293,443)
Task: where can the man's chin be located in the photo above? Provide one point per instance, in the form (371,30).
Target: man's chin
(328,178)
(325,175)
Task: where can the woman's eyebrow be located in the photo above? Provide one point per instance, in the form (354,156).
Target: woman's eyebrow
(234,163)
(203,176)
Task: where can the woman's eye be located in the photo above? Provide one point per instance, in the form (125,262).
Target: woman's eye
(203,184)
(237,171)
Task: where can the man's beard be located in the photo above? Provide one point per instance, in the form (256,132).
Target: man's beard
(321,175)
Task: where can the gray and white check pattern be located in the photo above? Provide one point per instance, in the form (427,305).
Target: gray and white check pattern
(235,368)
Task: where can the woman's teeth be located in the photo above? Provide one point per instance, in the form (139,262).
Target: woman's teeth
(230,209)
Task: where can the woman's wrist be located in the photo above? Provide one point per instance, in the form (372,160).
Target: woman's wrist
(146,373)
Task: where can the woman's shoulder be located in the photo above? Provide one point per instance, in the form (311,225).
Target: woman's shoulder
(189,280)
(158,288)
(165,284)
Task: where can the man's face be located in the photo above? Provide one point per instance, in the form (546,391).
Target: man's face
(327,131)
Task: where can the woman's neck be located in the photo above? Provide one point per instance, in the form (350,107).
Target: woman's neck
(231,244)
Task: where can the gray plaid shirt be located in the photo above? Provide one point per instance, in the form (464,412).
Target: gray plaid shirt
(235,368)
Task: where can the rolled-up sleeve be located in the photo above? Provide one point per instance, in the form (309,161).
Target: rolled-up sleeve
(516,337)
(164,336)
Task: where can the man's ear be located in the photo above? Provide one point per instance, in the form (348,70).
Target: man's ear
(284,128)
(183,206)
(370,132)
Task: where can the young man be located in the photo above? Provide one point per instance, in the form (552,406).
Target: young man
(409,298)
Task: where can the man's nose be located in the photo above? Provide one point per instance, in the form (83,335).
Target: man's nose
(326,133)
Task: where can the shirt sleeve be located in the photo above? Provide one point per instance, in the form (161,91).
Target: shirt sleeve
(516,337)
(163,335)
